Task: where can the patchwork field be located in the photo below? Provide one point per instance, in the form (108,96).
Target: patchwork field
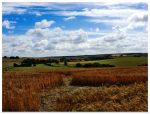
(120,61)
(117,61)
(75,57)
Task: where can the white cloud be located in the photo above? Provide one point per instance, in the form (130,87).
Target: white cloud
(121,13)
(27,7)
(38,33)
(76,37)
(20,7)
(10,10)
(137,21)
(113,22)
(70,18)
(39,46)
(44,24)
(132,22)
(16,45)
(8,24)
(43,40)
(38,14)
(57,41)
(139,17)
(123,1)
(97,30)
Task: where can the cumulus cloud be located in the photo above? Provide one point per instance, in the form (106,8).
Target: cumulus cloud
(8,24)
(70,18)
(44,40)
(39,46)
(72,43)
(139,17)
(16,45)
(135,21)
(38,33)
(77,36)
(117,34)
(44,24)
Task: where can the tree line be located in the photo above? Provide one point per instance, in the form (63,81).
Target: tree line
(32,62)
(95,64)
(11,57)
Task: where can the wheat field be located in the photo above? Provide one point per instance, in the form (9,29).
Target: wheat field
(88,89)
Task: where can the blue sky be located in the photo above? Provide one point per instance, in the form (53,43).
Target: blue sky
(53,29)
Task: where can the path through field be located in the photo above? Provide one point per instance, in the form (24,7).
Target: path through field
(49,96)
(86,98)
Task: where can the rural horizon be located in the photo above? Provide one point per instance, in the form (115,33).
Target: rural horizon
(78,55)
(75,57)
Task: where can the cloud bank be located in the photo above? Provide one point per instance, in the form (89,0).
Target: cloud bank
(115,28)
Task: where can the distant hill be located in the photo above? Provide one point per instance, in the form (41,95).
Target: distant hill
(101,55)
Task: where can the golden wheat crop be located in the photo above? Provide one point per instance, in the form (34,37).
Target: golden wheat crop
(117,76)
(21,90)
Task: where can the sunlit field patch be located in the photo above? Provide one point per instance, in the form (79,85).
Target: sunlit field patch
(110,76)
(21,90)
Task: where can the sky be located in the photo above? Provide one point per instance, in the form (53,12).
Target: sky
(42,29)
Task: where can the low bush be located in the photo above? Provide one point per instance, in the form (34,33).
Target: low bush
(78,65)
(16,65)
(96,64)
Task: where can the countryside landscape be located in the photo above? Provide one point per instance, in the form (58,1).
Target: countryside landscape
(75,57)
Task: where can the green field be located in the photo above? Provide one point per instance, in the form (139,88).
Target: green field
(120,61)
(117,61)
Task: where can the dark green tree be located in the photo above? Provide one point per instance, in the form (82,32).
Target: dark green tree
(65,62)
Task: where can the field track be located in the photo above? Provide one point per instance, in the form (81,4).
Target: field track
(86,98)
(58,90)
(97,98)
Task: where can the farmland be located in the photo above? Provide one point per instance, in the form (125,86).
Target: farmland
(117,61)
(66,88)
(75,57)
(121,61)
(22,89)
